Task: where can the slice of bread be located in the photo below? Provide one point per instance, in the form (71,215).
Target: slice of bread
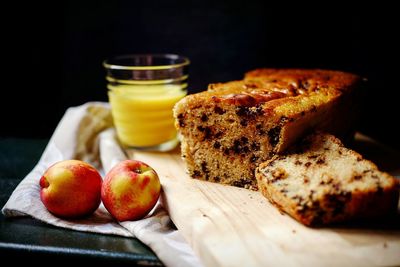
(322,182)
(229,129)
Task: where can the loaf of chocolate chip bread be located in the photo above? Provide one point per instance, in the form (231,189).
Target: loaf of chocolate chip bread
(229,129)
(320,182)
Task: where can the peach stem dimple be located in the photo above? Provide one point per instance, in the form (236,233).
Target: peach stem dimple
(43,182)
(137,170)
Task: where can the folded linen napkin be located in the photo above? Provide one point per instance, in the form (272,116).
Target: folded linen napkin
(85,132)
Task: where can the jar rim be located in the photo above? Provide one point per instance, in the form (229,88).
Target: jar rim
(145,62)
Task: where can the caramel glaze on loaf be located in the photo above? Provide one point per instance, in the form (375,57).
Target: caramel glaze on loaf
(323,182)
(229,129)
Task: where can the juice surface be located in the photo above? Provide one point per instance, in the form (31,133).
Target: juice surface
(143,113)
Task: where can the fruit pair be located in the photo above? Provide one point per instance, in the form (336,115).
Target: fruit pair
(73,188)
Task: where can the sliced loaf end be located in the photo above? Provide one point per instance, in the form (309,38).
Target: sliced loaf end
(320,182)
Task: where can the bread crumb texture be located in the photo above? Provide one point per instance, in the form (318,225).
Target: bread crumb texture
(320,181)
(228,130)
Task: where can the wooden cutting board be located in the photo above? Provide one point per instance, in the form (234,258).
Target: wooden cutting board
(229,226)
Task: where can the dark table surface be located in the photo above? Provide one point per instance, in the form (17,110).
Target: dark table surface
(27,240)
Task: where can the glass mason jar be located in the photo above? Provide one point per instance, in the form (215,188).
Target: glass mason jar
(142,90)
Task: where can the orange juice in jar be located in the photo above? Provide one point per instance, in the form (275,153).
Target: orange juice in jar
(142,91)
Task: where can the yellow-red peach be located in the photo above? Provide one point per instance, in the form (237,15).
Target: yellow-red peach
(130,190)
(71,189)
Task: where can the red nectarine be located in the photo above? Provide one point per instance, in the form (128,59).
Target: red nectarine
(71,188)
(130,190)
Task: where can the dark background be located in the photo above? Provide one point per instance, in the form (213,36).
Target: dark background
(54,52)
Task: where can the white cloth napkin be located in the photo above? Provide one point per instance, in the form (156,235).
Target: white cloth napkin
(85,132)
